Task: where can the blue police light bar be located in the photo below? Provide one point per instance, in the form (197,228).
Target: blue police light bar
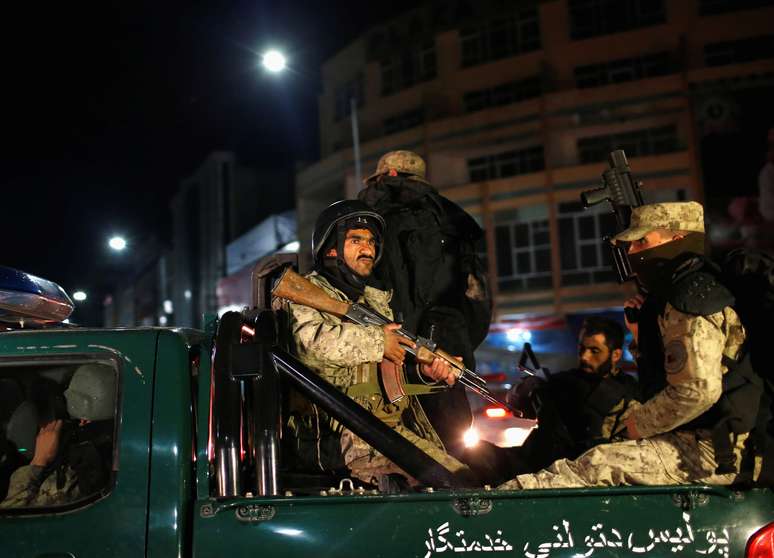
(24,297)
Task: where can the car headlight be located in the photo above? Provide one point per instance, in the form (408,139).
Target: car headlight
(471,437)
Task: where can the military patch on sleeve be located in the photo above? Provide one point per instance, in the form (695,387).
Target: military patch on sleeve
(675,357)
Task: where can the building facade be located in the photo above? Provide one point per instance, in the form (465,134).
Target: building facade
(275,234)
(141,290)
(217,204)
(515,106)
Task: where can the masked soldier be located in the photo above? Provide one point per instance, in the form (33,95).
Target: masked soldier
(431,265)
(701,396)
(346,246)
(71,458)
(578,408)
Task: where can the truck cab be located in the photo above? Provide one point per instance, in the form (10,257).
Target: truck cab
(195,465)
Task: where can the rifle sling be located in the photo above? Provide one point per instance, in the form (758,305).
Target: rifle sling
(361,390)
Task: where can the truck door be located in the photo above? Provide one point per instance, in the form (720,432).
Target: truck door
(74,428)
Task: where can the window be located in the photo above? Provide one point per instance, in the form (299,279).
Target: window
(412,67)
(509,163)
(502,37)
(585,258)
(737,52)
(343,97)
(591,18)
(404,121)
(710,7)
(59,397)
(504,94)
(625,69)
(523,254)
(653,141)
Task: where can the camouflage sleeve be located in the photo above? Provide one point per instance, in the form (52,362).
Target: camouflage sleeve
(28,489)
(333,342)
(23,487)
(693,351)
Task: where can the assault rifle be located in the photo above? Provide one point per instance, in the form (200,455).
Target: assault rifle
(295,288)
(623,192)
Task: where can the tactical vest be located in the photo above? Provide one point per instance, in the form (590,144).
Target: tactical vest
(589,406)
(700,292)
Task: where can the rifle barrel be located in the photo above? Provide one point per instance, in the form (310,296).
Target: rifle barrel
(486,394)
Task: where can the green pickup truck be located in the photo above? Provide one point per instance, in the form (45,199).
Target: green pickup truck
(196,464)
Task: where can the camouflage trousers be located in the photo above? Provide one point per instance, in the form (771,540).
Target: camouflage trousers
(666,459)
(365,463)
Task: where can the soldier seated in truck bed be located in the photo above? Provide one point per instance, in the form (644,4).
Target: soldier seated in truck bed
(346,247)
(702,396)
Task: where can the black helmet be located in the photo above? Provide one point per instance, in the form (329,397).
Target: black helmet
(347,213)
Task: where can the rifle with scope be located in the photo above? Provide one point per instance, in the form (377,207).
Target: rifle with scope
(623,193)
(295,288)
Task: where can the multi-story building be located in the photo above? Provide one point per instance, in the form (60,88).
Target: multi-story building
(515,106)
(219,202)
(141,287)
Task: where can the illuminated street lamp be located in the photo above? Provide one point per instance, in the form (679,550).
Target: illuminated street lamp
(117,243)
(79,296)
(274,61)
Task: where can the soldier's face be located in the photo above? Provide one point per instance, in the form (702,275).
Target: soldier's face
(653,239)
(594,356)
(360,251)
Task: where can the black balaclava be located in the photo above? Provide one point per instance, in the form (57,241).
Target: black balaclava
(656,266)
(335,269)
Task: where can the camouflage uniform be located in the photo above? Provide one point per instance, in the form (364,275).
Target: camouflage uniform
(694,347)
(27,489)
(347,355)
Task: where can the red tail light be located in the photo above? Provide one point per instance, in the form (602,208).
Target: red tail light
(761,544)
(496,412)
(499,378)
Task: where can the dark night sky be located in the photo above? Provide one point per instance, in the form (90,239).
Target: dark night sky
(107,105)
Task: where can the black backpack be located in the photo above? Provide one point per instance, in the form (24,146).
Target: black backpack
(749,274)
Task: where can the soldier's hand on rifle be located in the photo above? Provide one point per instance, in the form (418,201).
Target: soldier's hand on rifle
(47,443)
(634,302)
(520,395)
(440,371)
(393,344)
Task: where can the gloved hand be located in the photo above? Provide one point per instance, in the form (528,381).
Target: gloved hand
(520,395)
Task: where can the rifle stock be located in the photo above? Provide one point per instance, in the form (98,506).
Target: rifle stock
(298,289)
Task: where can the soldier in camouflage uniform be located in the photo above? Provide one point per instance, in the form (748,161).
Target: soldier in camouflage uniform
(63,471)
(349,356)
(687,339)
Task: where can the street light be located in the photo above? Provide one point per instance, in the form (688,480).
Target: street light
(79,296)
(117,243)
(274,61)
